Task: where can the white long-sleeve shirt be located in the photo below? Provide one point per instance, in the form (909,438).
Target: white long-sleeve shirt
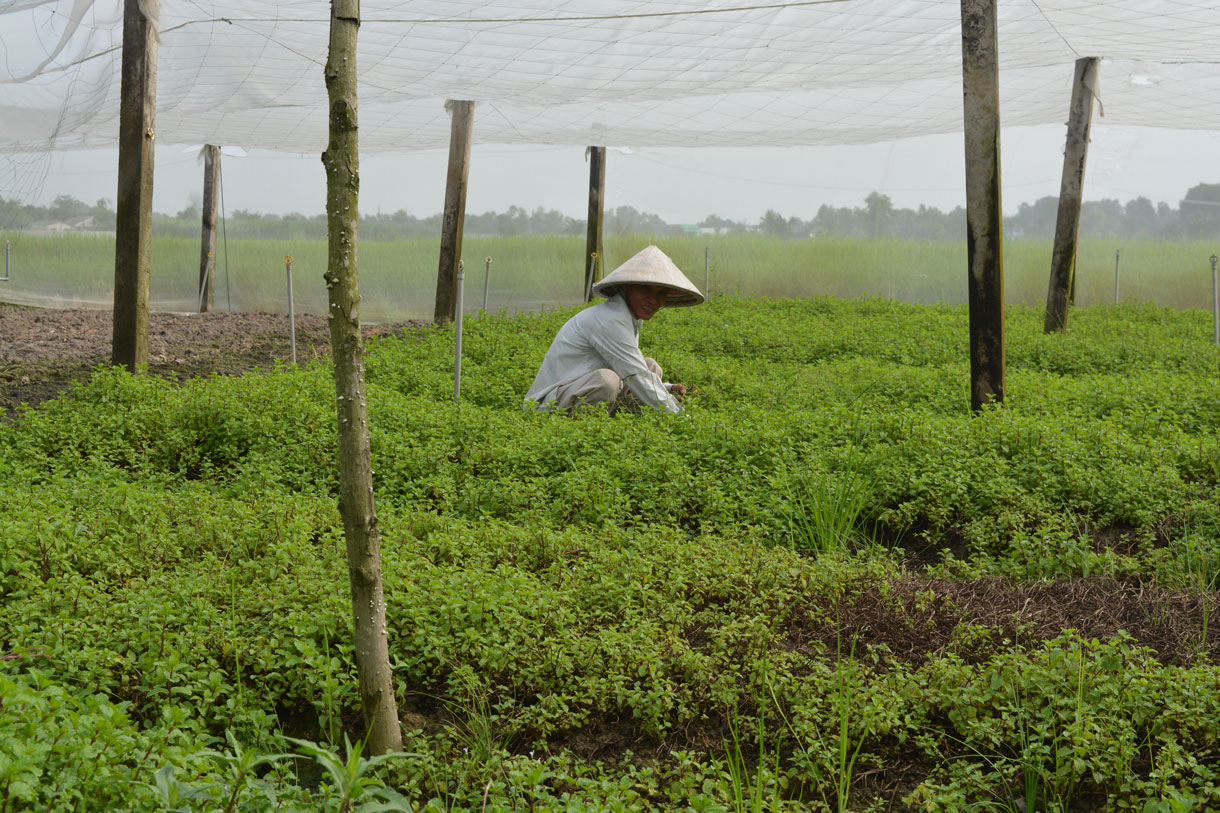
(605,336)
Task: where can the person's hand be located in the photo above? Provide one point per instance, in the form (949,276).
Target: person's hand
(679,391)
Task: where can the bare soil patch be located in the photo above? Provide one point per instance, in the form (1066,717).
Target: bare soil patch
(43,351)
(916,618)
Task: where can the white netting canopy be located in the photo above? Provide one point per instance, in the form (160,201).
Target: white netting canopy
(248,73)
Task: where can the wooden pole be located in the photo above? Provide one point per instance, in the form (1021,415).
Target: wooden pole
(363,536)
(1061,289)
(133,209)
(597,201)
(207,243)
(984,224)
(454,215)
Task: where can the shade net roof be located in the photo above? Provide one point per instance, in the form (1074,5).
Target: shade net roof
(249,73)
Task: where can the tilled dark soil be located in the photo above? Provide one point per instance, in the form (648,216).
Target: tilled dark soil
(916,618)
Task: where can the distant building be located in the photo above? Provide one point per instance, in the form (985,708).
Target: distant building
(72,224)
(50,227)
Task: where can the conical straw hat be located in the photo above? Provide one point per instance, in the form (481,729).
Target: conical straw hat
(651,267)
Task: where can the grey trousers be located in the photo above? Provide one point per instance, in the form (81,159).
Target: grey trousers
(599,387)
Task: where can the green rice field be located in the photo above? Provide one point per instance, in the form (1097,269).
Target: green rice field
(398,279)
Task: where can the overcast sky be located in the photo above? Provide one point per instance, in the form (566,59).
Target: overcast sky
(680,185)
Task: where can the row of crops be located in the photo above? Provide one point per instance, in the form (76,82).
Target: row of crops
(826,585)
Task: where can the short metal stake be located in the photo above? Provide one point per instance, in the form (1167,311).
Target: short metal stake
(203,286)
(457,347)
(292,324)
(589,277)
(1215,305)
(486,278)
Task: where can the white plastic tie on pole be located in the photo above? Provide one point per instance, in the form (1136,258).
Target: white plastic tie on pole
(1092,81)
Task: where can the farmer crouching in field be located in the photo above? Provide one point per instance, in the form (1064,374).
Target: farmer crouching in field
(596,356)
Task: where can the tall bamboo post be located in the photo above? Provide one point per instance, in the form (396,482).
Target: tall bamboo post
(133,208)
(597,201)
(984,224)
(1061,288)
(454,215)
(207,241)
(342,162)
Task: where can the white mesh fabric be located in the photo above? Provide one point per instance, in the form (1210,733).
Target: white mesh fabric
(607,72)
